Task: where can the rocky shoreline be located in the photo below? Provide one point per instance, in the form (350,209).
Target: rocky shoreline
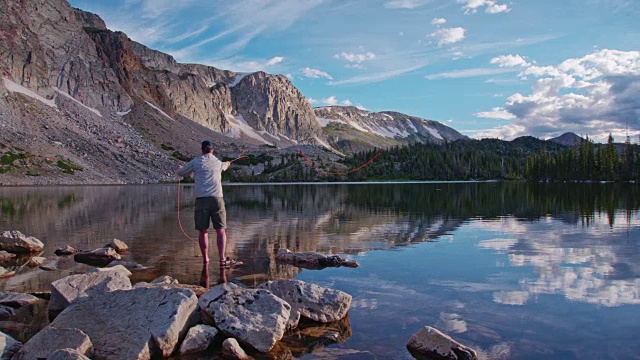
(102,315)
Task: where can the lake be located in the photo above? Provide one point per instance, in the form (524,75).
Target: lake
(517,271)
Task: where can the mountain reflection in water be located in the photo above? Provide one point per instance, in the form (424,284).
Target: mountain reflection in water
(491,263)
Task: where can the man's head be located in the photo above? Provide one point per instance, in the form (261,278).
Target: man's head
(207,147)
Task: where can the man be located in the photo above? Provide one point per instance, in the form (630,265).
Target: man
(209,201)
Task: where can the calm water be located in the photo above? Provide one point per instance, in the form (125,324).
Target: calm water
(517,271)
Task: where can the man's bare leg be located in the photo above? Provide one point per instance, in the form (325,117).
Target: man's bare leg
(221,237)
(203,240)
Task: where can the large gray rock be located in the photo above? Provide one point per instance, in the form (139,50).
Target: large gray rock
(67,289)
(120,268)
(430,343)
(97,257)
(67,354)
(8,346)
(313,260)
(17,242)
(311,301)
(50,339)
(133,324)
(231,350)
(254,316)
(198,339)
(17,300)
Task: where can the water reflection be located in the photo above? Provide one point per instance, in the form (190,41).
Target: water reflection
(490,253)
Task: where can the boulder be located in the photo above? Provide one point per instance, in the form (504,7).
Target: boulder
(50,339)
(67,354)
(313,260)
(198,339)
(119,268)
(8,346)
(132,324)
(67,289)
(6,256)
(165,280)
(431,343)
(65,250)
(294,319)
(17,242)
(118,245)
(254,316)
(231,350)
(198,290)
(36,261)
(311,301)
(4,273)
(97,257)
(17,300)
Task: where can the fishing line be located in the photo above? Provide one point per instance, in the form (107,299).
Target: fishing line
(313,165)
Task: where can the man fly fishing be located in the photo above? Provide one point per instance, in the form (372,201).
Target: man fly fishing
(209,200)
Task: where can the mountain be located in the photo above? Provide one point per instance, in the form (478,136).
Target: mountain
(352,129)
(80,103)
(567,139)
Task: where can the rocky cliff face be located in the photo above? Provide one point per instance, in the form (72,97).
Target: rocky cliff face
(348,127)
(271,103)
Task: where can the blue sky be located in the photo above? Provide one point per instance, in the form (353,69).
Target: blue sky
(488,68)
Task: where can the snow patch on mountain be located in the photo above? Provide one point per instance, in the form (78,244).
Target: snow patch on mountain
(160,111)
(239,127)
(15,88)
(95,111)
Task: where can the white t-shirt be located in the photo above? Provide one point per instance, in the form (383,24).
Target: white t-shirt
(208,174)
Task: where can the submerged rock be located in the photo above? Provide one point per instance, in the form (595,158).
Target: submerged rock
(65,250)
(311,301)
(118,245)
(128,264)
(17,242)
(430,343)
(97,257)
(313,260)
(164,280)
(254,316)
(8,346)
(312,336)
(67,354)
(231,350)
(198,339)
(132,324)
(51,339)
(67,289)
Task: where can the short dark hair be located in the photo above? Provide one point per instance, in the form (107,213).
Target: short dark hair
(207,146)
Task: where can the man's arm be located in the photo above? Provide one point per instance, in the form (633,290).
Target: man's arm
(185,170)
(225,165)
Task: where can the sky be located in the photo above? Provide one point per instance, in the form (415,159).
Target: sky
(487,68)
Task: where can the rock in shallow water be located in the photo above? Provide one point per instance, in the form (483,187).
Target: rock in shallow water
(65,250)
(51,339)
(132,324)
(431,344)
(253,316)
(17,242)
(67,289)
(312,301)
(231,350)
(120,268)
(97,257)
(6,256)
(313,260)
(36,261)
(118,245)
(198,339)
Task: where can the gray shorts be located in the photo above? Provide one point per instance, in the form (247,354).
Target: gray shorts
(210,208)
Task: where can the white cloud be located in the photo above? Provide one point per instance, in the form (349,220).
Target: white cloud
(355,58)
(239,64)
(405,4)
(315,73)
(438,21)
(377,77)
(347,102)
(510,61)
(448,35)
(331,101)
(466,73)
(596,94)
(491,6)
(496,113)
